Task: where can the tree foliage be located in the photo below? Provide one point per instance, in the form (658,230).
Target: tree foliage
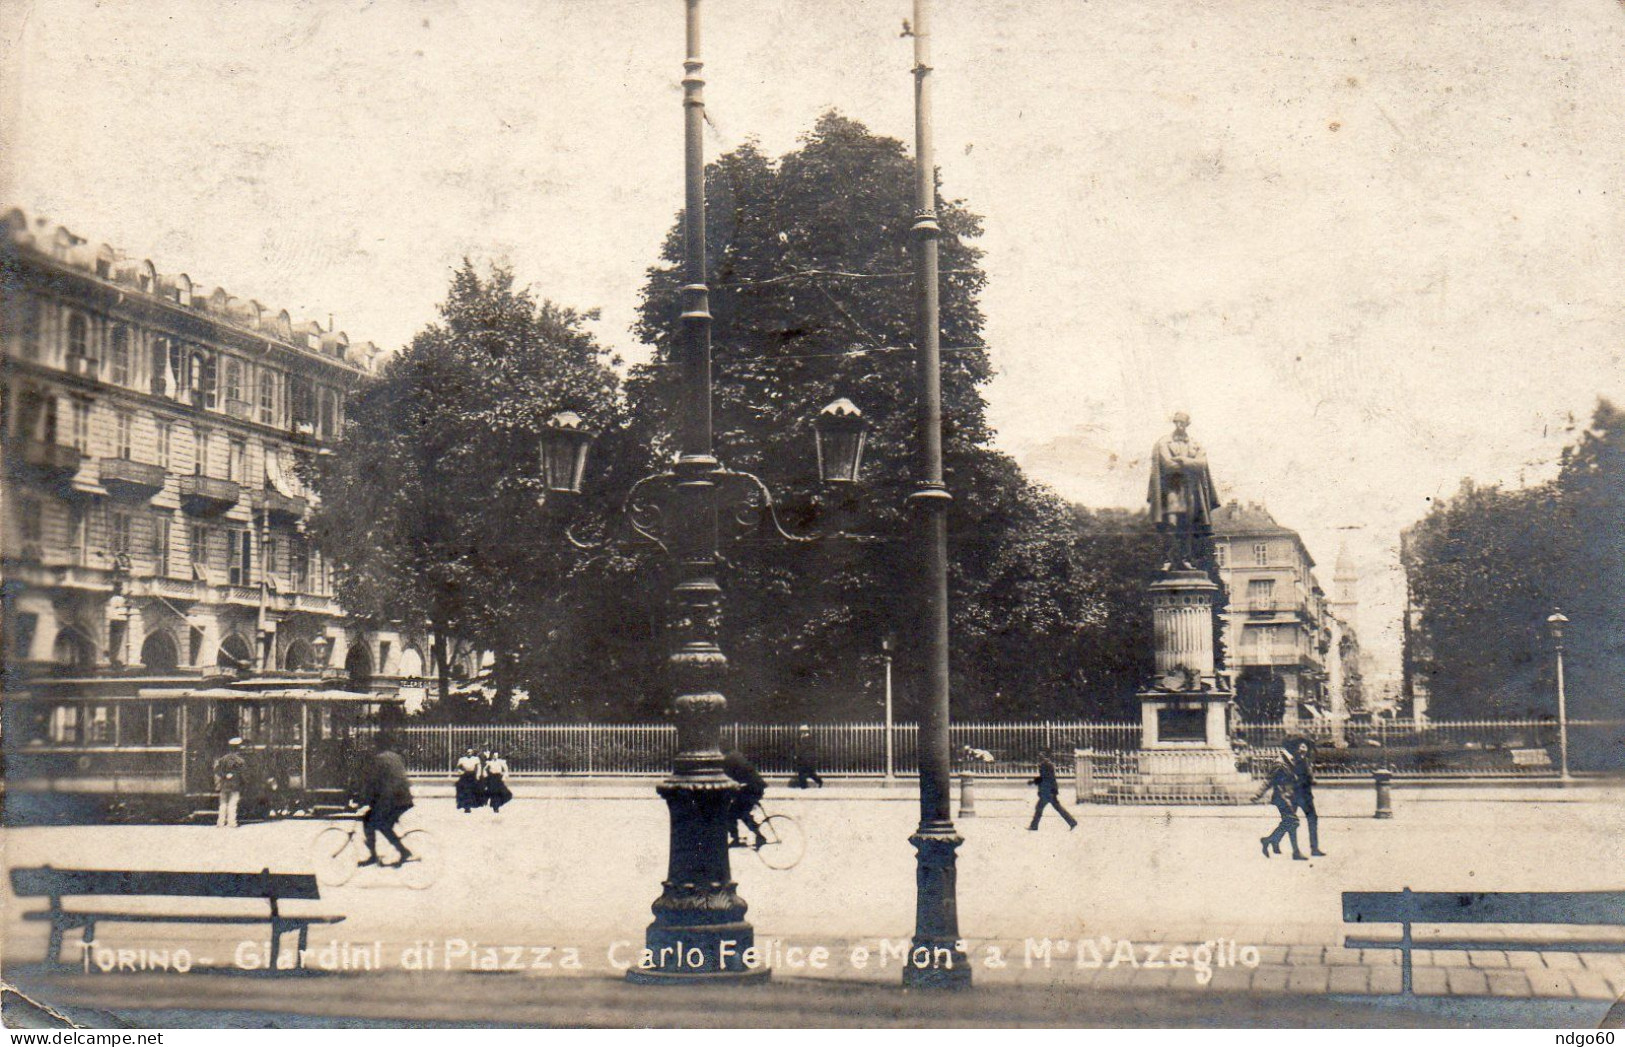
(812,298)
(429,504)
(1487,567)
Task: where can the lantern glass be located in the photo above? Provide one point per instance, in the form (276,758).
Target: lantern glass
(564,453)
(841,432)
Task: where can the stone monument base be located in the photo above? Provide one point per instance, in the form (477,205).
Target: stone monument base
(1185,754)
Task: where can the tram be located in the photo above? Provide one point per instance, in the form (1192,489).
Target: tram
(133,749)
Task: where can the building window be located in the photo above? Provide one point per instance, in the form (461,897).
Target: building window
(327,429)
(237,463)
(125,424)
(299,563)
(267,398)
(1261,594)
(165,430)
(234,380)
(200,460)
(240,556)
(160,544)
(201,380)
(118,532)
(27,320)
(158,378)
(180,370)
(81,426)
(200,545)
(78,339)
(32,515)
(1261,554)
(119,356)
(1221,554)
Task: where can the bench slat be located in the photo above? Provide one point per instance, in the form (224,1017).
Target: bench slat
(45,882)
(141,917)
(1594,908)
(1502,945)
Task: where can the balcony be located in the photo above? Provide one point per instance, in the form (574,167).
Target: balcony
(134,480)
(207,496)
(241,409)
(281,508)
(42,462)
(84,366)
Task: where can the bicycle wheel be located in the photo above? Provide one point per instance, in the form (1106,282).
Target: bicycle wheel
(783,842)
(335,855)
(424,868)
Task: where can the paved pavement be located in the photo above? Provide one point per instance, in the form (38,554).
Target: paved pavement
(1115,899)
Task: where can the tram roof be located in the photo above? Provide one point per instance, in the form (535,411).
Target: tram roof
(300,694)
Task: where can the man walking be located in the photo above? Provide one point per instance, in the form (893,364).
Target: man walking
(229,772)
(806,760)
(1049,793)
(1303,791)
(386,794)
(1281,785)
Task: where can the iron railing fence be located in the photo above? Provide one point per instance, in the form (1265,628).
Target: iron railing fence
(1439,749)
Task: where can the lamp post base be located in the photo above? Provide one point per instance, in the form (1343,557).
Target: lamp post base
(937,959)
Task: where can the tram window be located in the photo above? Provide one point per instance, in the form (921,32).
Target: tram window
(324,722)
(166,724)
(36,727)
(65,725)
(132,724)
(99,724)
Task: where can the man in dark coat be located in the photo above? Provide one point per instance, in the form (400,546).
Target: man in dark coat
(1281,785)
(1049,793)
(806,760)
(1303,791)
(752,787)
(386,793)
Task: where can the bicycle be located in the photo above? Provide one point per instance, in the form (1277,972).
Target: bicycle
(337,852)
(780,843)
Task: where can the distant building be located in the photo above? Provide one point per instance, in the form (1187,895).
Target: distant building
(157,437)
(1345,668)
(1278,629)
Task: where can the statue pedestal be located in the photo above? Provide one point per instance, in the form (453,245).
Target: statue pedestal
(1185,754)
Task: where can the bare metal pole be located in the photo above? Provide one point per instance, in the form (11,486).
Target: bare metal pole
(699,933)
(936,959)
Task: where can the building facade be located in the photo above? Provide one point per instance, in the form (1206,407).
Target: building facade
(158,441)
(1278,630)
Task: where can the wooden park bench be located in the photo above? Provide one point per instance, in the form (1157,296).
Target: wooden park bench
(272,888)
(1555,908)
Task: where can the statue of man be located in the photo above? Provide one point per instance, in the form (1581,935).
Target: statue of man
(1182,495)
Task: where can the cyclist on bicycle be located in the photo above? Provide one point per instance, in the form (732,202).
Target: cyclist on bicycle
(751,789)
(386,793)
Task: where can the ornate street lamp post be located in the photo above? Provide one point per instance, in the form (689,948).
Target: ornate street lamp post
(936,959)
(1556,622)
(699,933)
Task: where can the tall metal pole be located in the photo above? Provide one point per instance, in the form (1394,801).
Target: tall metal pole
(936,959)
(699,933)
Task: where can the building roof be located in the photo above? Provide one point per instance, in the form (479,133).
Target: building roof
(1234,518)
(103,262)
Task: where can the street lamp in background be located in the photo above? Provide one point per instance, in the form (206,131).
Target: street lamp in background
(1555,622)
(887,644)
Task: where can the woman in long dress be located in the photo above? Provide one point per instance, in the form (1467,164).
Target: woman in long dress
(497,792)
(468,781)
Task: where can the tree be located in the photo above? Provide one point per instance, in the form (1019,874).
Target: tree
(1486,567)
(812,299)
(429,505)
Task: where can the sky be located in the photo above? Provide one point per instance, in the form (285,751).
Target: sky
(1373,248)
